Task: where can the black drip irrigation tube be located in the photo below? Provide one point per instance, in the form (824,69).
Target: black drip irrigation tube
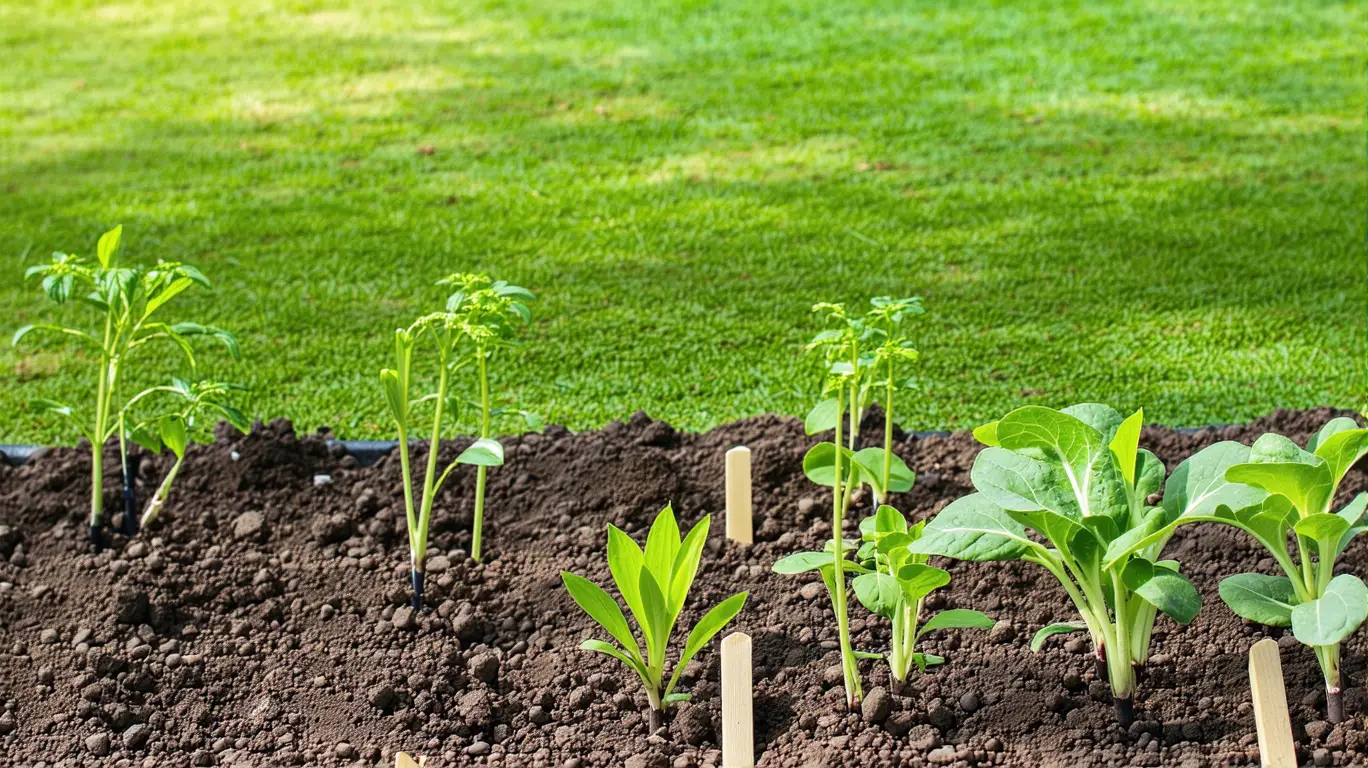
(369,452)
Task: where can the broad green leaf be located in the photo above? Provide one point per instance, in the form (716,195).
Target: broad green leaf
(900,478)
(657,616)
(879,593)
(1023,484)
(888,542)
(1049,630)
(1125,446)
(1058,529)
(601,608)
(1103,418)
(1163,588)
(173,434)
(485,452)
(685,566)
(889,520)
(1068,439)
(1127,542)
(819,464)
(802,562)
(1272,448)
(1307,486)
(1331,428)
(1150,478)
(109,243)
(917,580)
(1321,526)
(1353,511)
(1198,486)
(987,434)
(1264,599)
(662,547)
(1335,615)
(148,436)
(712,622)
(1343,450)
(973,528)
(956,618)
(822,417)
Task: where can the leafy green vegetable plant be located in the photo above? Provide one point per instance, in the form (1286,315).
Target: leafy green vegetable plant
(654,584)
(893,582)
(481,318)
(126,299)
(201,404)
(1283,496)
(1078,479)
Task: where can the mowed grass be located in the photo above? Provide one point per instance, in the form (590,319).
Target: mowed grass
(1155,204)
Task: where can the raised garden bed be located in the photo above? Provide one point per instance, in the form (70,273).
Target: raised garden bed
(264,619)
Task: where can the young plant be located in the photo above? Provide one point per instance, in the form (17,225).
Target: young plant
(654,583)
(200,406)
(1285,489)
(895,349)
(480,318)
(125,298)
(894,582)
(1078,479)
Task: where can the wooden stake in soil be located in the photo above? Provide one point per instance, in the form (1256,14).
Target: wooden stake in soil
(1270,706)
(738,722)
(402,760)
(739,495)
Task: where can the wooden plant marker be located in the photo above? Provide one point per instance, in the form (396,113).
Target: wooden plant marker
(739,495)
(402,760)
(738,722)
(1270,706)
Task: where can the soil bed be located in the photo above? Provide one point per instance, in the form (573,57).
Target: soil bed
(263,620)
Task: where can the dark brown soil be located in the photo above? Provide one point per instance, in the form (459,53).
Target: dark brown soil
(263,621)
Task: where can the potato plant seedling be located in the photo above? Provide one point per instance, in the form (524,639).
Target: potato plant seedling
(480,318)
(126,300)
(1078,478)
(1284,500)
(654,583)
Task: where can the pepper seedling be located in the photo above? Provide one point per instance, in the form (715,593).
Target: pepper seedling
(654,584)
(126,298)
(894,584)
(201,405)
(1285,489)
(480,318)
(1078,478)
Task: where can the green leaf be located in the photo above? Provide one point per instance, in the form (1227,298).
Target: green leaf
(109,243)
(879,593)
(924,660)
(900,478)
(1331,428)
(1022,484)
(1135,538)
(1049,630)
(395,397)
(685,566)
(712,622)
(917,580)
(1321,526)
(1059,435)
(819,464)
(1264,599)
(173,434)
(485,452)
(626,561)
(1307,486)
(601,608)
(657,617)
(166,294)
(1164,588)
(987,434)
(612,650)
(802,562)
(822,417)
(1342,450)
(888,519)
(973,528)
(147,437)
(1199,486)
(1335,615)
(1150,478)
(1125,446)
(662,546)
(957,618)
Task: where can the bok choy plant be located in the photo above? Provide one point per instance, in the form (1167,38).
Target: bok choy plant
(126,300)
(893,582)
(655,584)
(200,405)
(480,319)
(1283,495)
(1078,478)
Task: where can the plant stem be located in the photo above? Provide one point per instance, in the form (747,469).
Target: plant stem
(482,472)
(888,432)
(159,498)
(839,500)
(418,550)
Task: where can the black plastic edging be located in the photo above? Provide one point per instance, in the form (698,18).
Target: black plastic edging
(369,452)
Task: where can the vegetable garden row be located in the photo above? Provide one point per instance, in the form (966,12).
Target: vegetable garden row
(1069,491)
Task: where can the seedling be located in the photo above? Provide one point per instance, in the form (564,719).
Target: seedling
(654,584)
(1078,478)
(201,405)
(895,351)
(126,298)
(1277,489)
(480,318)
(895,582)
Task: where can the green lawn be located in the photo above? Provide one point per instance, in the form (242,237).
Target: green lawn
(1156,203)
